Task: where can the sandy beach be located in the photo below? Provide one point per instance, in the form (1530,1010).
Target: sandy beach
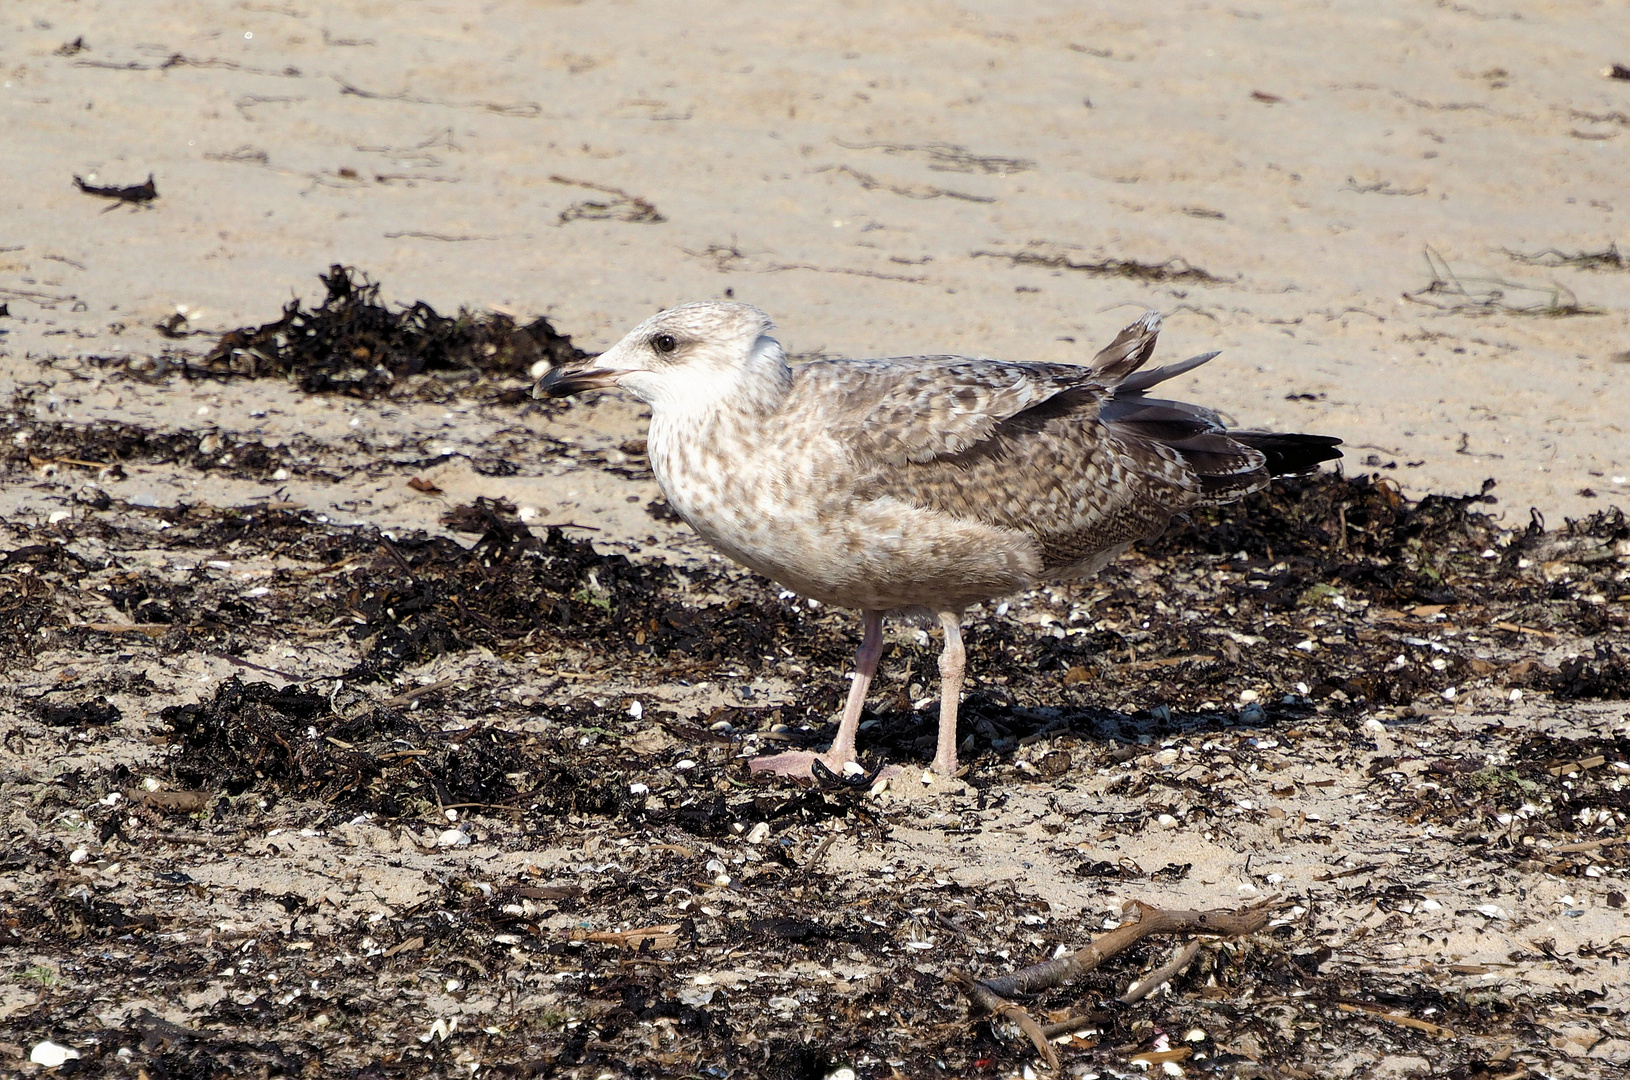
(1402,224)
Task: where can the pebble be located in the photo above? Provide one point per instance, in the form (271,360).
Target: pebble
(453,838)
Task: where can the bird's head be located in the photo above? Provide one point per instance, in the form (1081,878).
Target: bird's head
(694,354)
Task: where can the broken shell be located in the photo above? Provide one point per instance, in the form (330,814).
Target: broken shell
(51,1055)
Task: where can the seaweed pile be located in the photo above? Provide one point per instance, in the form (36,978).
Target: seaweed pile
(352,344)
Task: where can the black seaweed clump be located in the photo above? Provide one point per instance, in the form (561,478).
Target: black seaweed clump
(350,343)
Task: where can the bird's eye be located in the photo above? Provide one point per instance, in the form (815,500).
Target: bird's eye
(664,343)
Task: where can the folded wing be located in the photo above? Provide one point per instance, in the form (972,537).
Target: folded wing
(1079,458)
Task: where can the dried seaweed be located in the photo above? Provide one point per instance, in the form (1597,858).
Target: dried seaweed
(352,344)
(1174,269)
(1450,292)
(1608,258)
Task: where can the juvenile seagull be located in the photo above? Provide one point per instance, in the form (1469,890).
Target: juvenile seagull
(924,484)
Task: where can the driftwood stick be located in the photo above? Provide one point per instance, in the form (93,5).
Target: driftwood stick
(1028,1025)
(988,994)
(991,996)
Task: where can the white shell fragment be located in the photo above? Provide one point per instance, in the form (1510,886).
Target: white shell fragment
(52,1055)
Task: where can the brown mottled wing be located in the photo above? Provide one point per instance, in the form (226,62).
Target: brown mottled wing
(1020,446)
(918,408)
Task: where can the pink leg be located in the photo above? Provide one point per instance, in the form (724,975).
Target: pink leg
(953,662)
(800,763)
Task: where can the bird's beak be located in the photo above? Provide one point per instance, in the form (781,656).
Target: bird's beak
(567,379)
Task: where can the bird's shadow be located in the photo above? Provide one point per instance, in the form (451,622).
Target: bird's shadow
(1000,728)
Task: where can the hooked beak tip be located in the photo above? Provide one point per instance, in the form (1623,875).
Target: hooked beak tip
(565,381)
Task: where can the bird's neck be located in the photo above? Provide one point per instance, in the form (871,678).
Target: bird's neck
(765,379)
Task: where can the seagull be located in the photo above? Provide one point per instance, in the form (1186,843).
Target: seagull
(919,485)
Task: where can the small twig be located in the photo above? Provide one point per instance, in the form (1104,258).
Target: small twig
(238,661)
(1404,1021)
(1070,1025)
(150,629)
(408,696)
(1161,976)
(1347,873)
(820,852)
(1590,845)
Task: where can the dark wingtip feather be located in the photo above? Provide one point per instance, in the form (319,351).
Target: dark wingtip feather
(1290,453)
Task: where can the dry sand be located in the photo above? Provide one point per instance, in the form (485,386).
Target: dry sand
(1012,180)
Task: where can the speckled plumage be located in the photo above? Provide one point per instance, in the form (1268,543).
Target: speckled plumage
(921,484)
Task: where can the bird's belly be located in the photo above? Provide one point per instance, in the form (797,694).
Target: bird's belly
(878,554)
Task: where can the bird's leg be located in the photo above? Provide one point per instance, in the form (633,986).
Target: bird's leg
(953,661)
(799,762)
